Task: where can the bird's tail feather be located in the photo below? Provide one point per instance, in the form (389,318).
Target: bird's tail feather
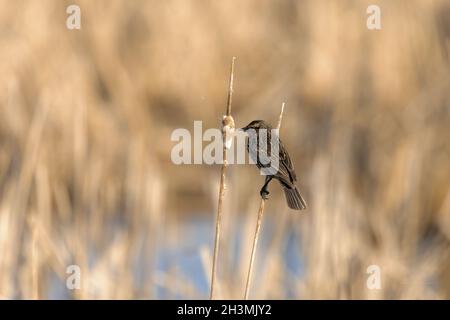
(294,199)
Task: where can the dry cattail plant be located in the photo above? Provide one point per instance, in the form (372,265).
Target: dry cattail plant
(227,128)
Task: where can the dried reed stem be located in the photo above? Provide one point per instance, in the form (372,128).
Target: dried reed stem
(255,241)
(258,226)
(280,118)
(222,187)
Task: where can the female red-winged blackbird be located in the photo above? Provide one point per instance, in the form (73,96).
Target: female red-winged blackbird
(284,172)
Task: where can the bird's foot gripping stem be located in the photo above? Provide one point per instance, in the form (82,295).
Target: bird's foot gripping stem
(264,193)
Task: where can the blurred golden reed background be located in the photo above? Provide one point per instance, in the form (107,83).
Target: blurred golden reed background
(85,170)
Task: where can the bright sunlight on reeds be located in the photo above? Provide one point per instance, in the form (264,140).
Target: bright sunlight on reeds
(86,177)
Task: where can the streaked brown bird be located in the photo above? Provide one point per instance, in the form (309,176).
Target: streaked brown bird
(285,173)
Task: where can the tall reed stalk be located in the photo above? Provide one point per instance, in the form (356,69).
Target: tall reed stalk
(227,123)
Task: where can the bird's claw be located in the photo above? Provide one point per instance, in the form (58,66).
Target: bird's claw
(264,194)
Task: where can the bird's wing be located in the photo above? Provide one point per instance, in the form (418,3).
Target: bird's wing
(286,169)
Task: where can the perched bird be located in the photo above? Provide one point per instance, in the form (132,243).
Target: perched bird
(285,173)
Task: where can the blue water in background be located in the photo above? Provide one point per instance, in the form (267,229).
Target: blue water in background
(195,233)
(199,232)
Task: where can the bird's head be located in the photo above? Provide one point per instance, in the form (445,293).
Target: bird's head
(256,125)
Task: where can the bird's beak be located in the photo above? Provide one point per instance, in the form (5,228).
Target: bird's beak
(244,129)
